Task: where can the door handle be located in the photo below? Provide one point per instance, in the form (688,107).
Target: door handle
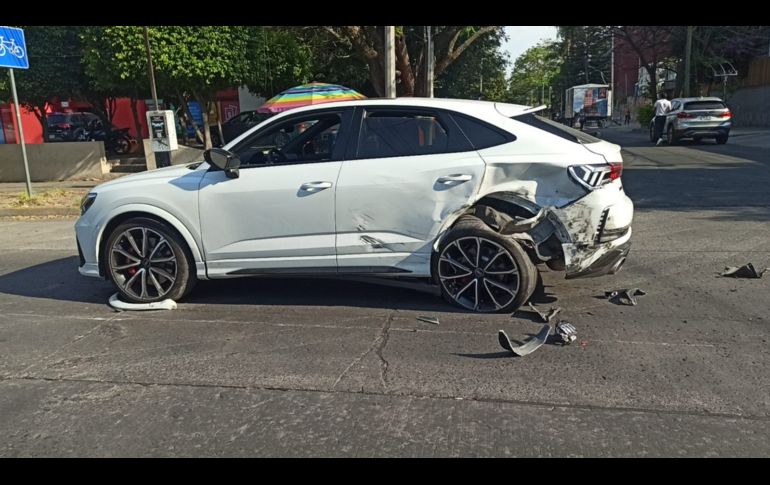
(315,186)
(456,177)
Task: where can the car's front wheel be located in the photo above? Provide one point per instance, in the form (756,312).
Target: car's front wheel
(148,262)
(482,271)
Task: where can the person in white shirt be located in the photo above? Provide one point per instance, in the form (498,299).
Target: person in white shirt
(662,106)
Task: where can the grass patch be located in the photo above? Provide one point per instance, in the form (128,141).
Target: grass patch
(61,198)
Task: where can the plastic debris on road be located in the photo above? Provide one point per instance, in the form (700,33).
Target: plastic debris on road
(167,304)
(546,316)
(566,331)
(746,271)
(624,296)
(432,320)
(527,347)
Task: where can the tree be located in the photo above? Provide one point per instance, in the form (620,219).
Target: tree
(369,43)
(479,73)
(585,53)
(54,69)
(535,71)
(115,63)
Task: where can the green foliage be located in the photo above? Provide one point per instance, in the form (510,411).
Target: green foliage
(483,66)
(534,71)
(645,114)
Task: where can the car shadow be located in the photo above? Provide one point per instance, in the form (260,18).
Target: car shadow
(59,280)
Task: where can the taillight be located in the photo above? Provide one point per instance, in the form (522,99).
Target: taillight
(726,114)
(684,115)
(616,170)
(594,176)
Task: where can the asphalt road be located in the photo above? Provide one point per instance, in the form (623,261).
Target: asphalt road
(282,367)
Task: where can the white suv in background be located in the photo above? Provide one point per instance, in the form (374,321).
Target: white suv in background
(696,118)
(471,194)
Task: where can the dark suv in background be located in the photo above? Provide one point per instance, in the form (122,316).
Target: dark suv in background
(69,126)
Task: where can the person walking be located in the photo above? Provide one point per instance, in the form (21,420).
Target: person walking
(662,106)
(628,116)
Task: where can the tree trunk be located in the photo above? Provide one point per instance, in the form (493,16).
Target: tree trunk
(40,114)
(205,109)
(405,67)
(137,123)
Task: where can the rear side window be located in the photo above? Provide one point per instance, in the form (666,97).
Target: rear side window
(398,134)
(557,129)
(480,134)
(696,105)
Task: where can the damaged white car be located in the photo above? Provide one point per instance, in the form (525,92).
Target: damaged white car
(471,194)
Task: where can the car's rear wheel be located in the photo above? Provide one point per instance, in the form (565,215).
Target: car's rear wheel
(722,139)
(482,271)
(148,262)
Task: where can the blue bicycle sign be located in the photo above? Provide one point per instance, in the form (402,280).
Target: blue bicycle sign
(13,50)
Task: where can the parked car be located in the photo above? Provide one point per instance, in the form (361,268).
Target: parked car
(471,194)
(69,126)
(696,118)
(236,125)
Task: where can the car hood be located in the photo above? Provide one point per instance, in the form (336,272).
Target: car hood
(172,172)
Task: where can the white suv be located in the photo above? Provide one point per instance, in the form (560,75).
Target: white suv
(471,194)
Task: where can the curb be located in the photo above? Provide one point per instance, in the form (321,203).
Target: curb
(40,211)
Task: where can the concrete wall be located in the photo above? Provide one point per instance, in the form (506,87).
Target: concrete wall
(750,106)
(181,156)
(49,162)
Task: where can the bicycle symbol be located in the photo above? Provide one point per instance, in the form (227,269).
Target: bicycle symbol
(10,46)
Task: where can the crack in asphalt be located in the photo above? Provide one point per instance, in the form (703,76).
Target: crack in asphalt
(520,402)
(377,345)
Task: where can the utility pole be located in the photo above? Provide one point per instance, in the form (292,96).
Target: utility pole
(481,79)
(390,61)
(429,63)
(688,61)
(612,69)
(150,70)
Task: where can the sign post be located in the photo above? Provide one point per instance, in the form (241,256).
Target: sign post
(13,54)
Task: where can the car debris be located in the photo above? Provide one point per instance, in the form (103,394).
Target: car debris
(546,316)
(118,304)
(746,271)
(527,347)
(566,331)
(624,296)
(432,320)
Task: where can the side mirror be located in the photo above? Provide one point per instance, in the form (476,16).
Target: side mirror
(223,160)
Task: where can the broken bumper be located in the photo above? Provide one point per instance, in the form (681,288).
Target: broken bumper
(606,259)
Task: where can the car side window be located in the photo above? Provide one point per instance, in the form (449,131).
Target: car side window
(675,105)
(296,140)
(480,134)
(397,134)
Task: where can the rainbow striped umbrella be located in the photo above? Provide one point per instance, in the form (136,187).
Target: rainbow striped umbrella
(313,93)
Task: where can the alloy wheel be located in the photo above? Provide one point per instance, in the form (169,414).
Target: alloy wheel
(479,274)
(143,263)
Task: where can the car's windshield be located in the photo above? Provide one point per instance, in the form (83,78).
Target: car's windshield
(56,119)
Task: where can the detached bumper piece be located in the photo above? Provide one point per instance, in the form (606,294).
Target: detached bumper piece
(609,263)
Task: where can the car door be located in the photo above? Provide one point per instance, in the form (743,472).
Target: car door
(408,170)
(278,215)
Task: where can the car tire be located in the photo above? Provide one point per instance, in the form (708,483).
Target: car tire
(482,271)
(127,261)
(672,138)
(721,140)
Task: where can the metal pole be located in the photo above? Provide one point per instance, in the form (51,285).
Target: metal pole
(390,61)
(612,70)
(150,69)
(687,61)
(481,79)
(21,132)
(431,60)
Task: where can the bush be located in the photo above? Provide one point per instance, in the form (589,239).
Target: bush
(645,114)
